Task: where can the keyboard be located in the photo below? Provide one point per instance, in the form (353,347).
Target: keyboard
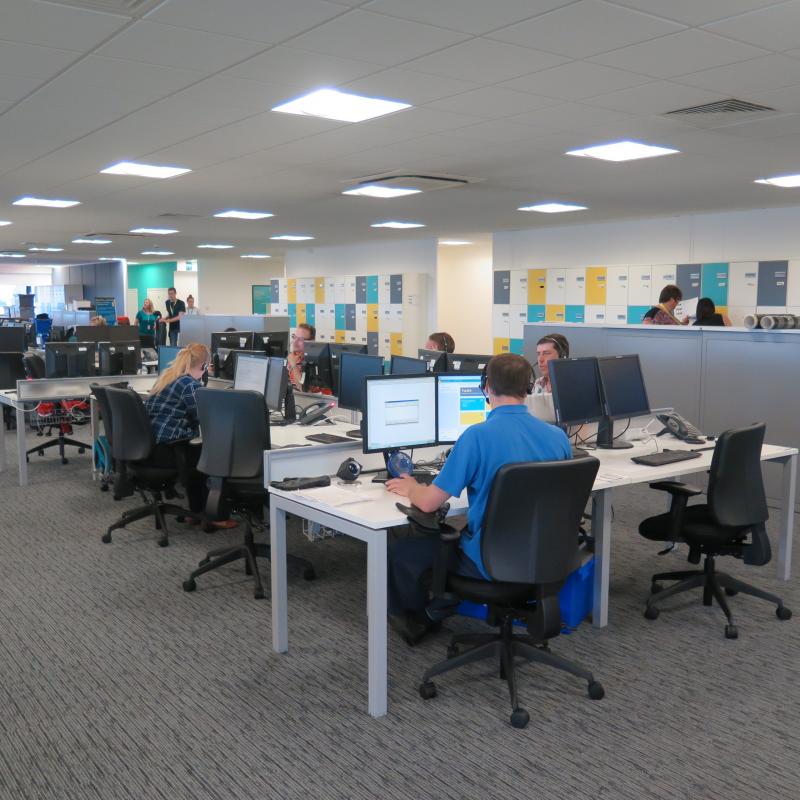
(421,476)
(666,457)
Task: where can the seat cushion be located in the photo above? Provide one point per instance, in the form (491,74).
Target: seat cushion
(698,528)
(492,592)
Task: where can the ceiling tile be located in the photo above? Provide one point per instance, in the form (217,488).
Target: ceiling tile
(32,61)
(493,101)
(496,131)
(226,90)
(658,97)
(410,87)
(786,99)
(776,28)
(14,87)
(426,120)
(170,46)
(692,12)
(756,75)
(768,128)
(586,28)
(485,61)
(302,69)
(575,81)
(572,116)
(470,16)
(375,38)
(269,21)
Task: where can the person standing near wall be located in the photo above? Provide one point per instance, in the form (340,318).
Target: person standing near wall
(146,318)
(664,312)
(175,310)
(191,309)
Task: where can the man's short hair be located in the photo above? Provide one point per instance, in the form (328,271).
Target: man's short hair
(509,375)
(172,289)
(670,292)
(311,330)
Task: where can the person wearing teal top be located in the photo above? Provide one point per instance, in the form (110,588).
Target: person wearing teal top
(146,317)
(510,434)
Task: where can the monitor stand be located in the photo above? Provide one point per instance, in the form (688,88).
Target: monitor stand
(605,436)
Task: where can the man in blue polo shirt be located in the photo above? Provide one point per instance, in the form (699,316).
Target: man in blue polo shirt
(510,434)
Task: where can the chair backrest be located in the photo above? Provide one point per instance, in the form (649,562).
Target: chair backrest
(34,366)
(235,433)
(105,407)
(530,530)
(11,370)
(735,488)
(133,434)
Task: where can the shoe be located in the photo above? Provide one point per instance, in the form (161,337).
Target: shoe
(413,627)
(225,524)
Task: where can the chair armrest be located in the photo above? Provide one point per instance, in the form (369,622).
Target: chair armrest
(676,488)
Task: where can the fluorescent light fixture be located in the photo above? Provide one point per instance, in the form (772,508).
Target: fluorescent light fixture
(784,181)
(454,242)
(45,203)
(254,255)
(395,224)
(156,231)
(234,214)
(144,170)
(210,246)
(622,151)
(333,104)
(45,249)
(111,258)
(157,253)
(375,190)
(553,208)
(291,237)
(91,241)
(12,255)
(4,222)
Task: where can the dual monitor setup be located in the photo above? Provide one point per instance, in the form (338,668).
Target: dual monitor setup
(225,344)
(87,359)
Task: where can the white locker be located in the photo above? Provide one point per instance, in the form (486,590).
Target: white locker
(350,289)
(793,284)
(518,318)
(615,315)
(640,286)
(617,286)
(576,287)
(384,290)
(743,285)
(501,322)
(663,274)
(556,287)
(519,287)
(340,289)
(595,314)
(361,319)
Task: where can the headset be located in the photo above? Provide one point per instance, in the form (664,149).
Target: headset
(485,375)
(559,342)
(349,470)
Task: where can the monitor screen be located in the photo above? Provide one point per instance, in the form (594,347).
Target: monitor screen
(400,412)
(317,372)
(251,373)
(623,386)
(231,340)
(459,404)
(274,343)
(353,368)
(403,365)
(166,355)
(70,359)
(12,340)
(336,351)
(277,383)
(466,362)
(435,360)
(120,358)
(576,390)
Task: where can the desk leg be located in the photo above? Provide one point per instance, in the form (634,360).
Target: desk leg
(280,615)
(787,518)
(376,621)
(601,528)
(22,446)
(95,428)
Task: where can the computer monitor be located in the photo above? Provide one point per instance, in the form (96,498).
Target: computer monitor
(231,340)
(399,412)
(459,404)
(251,372)
(465,362)
(12,370)
(277,384)
(12,340)
(273,343)
(317,366)
(403,365)
(435,360)
(166,355)
(353,368)
(624,395)
(120,358)
(336,352)
(576,390)
(70,359)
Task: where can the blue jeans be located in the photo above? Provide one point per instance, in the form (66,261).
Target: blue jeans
(173,338)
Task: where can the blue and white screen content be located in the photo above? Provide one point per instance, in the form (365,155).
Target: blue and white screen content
(401,412)
(461,404)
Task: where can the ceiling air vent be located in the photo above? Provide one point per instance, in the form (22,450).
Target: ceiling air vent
(425,182)
(730,106)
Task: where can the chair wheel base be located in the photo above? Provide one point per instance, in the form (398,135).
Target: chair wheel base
(427,690)
(65,461)
(655,588)
(731,592)
(163,542)
(731,632)
(783,613)
(520,718)
(309,574)
(452,651)
(106,539)
(258,594)
(189,585)
(596,690)
(651,612)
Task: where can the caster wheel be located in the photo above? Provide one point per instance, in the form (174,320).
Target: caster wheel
(731,632)
(596,690)
(309,574)
(163,542)
(104,487)
(106,539)
(731,592)
(655,588)
(520,718)
(651,612)
(783,613)
(452,651)
(81,451)
(65,461)
(427,690)
(258,594)
(203,562)
(189,585)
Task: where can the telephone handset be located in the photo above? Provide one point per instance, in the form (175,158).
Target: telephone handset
(680,427)
(314,412)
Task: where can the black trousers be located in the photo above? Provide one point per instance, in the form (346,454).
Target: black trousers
(185,457)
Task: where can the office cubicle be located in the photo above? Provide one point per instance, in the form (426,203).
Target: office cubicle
(199,328)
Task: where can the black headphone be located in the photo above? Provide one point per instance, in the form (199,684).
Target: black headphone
(485,375)
(559,342)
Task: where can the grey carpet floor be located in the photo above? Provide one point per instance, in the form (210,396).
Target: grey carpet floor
(114,683)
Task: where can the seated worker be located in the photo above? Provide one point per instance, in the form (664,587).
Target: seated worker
(98,321)
(294,361)
(172,409)
(441,341)
(548,348)
(662,314)
(509,435)
(707,314)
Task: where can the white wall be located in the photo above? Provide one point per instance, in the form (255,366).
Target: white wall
(224,285)
(464,295)
(760,234)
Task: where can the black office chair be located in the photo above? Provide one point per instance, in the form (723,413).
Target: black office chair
(132,448)
(59,415)
(529,546)
(736,509)
(11,370)
(235,434)
(147,340)
(101,397)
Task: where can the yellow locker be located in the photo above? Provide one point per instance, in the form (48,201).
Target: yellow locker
(372,318)
(396,344)
(502,346)
(537,287)
(301,313)
(319,290)
(340,337)
(595,286)
(291,290)
(555,313)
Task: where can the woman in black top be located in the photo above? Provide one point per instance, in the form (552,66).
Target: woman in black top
(707,314)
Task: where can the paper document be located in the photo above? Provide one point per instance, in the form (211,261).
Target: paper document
(687,308)
(342,495)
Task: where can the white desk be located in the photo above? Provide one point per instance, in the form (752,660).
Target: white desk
(370,520)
